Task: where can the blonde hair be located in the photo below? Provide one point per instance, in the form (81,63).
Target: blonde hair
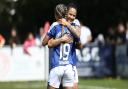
(60,11)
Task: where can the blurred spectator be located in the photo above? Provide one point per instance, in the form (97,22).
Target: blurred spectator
(86,35)
(14,39)
(111,36)
(127,31)
(39,37)
(85,38)
(2,41)
(100,39)
(46,26)
(121,34)
(29,42)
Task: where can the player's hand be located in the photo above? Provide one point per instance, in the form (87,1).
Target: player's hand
(63,22)
(66,38)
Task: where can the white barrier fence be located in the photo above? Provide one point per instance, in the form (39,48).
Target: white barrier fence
(15,65)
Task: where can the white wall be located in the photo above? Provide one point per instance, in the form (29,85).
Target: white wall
(15,65)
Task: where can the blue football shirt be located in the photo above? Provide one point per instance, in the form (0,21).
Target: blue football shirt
(68,55)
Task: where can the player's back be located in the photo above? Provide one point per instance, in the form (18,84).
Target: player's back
(62,54)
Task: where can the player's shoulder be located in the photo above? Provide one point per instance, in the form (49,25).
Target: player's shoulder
(53,25)
(76,22)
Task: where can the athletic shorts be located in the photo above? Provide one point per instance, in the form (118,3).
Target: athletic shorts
(61,74)
(75,75)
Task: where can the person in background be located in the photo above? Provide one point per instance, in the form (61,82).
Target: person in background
(111,36)
(14,39)
(100,40)
(86,35)
(2,41)
(46,26)
(120,33)
(85,38)
(29,42)
(39,37)
(126,24)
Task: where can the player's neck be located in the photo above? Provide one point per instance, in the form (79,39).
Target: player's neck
(58,21)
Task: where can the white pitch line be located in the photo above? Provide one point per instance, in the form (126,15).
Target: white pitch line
(94,87)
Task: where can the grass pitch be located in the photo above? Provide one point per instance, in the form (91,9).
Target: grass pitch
(103,84)
(23,85)
(83,84)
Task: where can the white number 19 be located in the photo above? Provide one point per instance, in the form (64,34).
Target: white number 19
(64,51)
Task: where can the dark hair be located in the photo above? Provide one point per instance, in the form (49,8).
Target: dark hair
(60,11)
(71,5)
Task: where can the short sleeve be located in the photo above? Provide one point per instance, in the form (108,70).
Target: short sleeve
(76,22)
(52,30)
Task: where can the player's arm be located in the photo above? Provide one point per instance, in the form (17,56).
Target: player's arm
(73,29)
(64,39)
(54,42)
(49,35)
(45,40)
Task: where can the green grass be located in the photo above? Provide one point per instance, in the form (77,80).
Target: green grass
(23,85)
(103,84)
(83,84)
